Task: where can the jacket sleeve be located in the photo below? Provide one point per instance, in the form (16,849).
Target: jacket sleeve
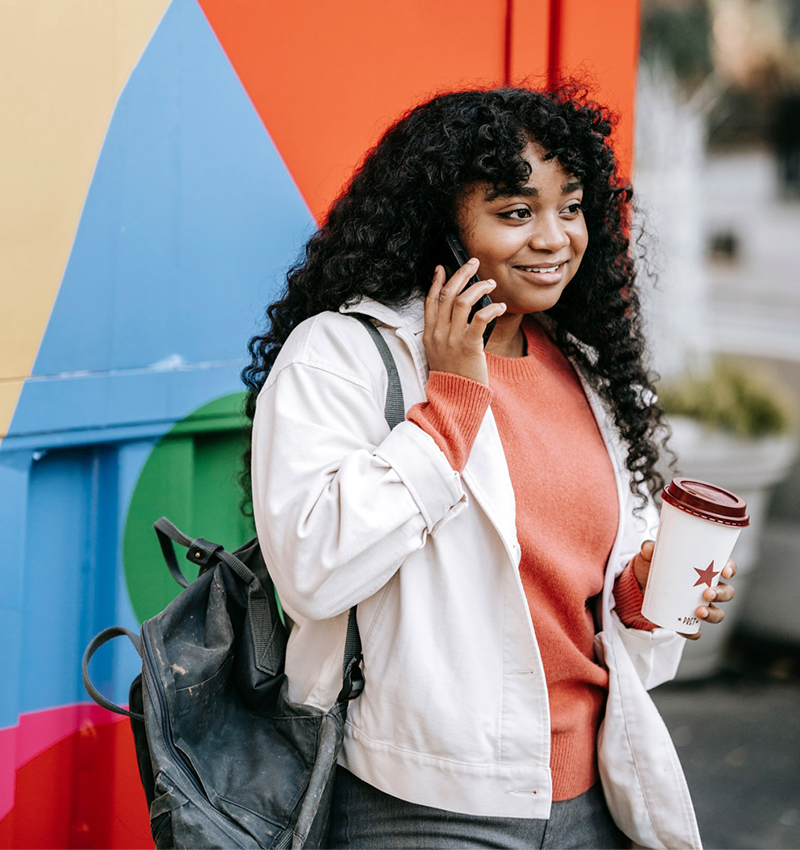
(340,501)
(655,653)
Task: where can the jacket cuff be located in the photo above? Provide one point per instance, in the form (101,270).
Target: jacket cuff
(433,484)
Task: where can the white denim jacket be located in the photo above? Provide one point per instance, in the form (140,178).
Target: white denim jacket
(454,713)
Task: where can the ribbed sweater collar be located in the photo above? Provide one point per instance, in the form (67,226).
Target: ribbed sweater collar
(540,352)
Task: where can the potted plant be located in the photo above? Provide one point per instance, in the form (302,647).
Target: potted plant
(734,426)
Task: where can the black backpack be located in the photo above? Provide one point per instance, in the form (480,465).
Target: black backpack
(226,760)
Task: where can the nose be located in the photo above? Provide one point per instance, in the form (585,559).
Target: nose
(549,234)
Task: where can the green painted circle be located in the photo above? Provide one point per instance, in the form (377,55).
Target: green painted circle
(192,478)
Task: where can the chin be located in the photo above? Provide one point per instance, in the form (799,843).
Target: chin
(538,305)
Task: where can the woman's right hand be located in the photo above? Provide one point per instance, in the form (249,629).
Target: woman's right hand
(453,343)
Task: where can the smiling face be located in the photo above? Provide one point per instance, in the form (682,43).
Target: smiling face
(530,242)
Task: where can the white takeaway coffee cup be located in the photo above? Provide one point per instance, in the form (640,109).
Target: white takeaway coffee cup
(699,526)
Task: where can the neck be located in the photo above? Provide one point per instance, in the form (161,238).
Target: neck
(507,339)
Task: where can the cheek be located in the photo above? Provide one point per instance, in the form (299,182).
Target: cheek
(580,242)
(495,247)
(477,244)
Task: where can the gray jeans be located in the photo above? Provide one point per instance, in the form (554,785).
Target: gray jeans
(364,817)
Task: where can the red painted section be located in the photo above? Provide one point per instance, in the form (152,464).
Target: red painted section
(38,731)
(81,791)
(509,30)
(328,77)
(554,47)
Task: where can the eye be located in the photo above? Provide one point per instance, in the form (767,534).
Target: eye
(517,214)
(573,208)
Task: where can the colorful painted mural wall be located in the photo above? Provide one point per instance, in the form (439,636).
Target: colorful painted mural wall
(162,163)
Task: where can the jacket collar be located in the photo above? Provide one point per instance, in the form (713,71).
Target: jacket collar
(410,316)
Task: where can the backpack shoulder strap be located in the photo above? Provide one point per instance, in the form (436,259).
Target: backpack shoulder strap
(395,412)
(394,408)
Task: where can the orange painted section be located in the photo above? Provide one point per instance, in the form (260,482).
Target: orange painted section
(529,43)
(599,40)
(89,786)
(328,77)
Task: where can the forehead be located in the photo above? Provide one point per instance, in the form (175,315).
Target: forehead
(546,170)
(547,176)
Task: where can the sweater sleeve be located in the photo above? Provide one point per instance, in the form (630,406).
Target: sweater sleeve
(452,415)
(628,597)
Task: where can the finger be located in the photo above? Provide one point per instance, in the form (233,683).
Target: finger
(481,319)
(695,636)
(729,570)
(432,301)
(449,292)
(710,614)
(641,563)
(721,593)
(459,280)
(467,299)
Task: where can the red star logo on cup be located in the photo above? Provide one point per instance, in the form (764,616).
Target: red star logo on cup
(706,575)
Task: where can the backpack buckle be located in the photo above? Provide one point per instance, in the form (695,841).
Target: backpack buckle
(353,681)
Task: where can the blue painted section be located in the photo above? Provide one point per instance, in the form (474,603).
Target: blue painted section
(14,478)
(70,571)
(129,405)
(190,221)
(189,224)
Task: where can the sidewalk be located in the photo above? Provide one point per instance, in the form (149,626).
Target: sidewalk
(738,738)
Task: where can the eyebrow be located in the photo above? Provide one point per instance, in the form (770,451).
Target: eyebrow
(532,192)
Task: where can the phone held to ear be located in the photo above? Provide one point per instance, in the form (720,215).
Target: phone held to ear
(453,257)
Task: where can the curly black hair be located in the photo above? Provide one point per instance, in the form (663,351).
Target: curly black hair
(380,238)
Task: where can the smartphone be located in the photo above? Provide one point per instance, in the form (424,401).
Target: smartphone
(453,256)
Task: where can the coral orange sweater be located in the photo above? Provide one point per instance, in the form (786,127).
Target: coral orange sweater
(567,517)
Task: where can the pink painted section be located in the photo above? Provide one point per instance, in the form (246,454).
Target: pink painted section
(37,732)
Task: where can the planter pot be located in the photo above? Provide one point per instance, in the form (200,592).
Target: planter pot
(749,468)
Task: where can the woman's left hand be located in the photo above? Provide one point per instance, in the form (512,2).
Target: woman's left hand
(723,592)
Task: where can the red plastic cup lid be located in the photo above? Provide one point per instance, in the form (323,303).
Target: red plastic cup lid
(706,501)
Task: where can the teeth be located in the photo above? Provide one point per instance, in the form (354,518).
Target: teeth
(542,271)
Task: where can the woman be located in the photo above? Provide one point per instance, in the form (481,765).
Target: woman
(497,541)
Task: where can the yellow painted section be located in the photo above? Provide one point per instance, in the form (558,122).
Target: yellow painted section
(63,64)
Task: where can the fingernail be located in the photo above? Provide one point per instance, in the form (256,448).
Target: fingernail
(473,261)
(702,613)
